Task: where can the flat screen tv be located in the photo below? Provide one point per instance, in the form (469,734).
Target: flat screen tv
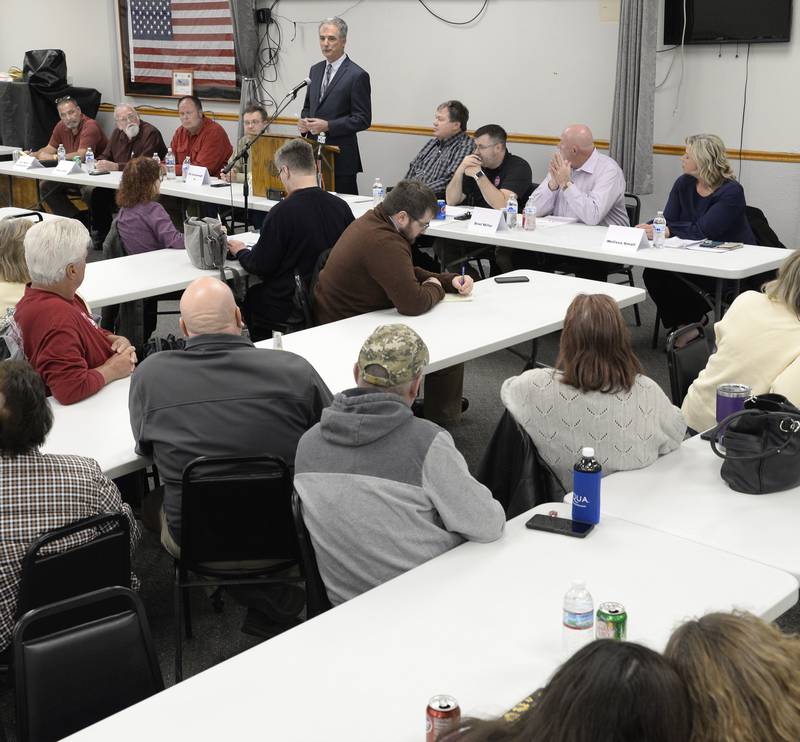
(727,21)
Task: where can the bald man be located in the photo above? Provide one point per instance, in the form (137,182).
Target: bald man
(220,396)
(582,184)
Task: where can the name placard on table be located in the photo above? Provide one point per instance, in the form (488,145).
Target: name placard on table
(27,162)
(68,167)
(487,221)
(627,239)
(196,175)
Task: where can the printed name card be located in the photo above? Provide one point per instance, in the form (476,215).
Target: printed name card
(627,239)
(196,175)
(68,167)
(487,221)
(26,162)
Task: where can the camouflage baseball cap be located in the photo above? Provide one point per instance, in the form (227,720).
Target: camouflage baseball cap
(398,350)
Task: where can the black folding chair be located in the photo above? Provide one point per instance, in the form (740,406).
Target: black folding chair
(687,362)
(317,600)
(233,509)
(78,675)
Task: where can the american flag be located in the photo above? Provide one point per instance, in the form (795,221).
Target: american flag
(182,35)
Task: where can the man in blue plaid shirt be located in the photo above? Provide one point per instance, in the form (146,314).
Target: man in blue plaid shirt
(439,158)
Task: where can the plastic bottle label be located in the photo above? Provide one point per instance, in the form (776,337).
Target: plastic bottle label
(586,496)
(579,621)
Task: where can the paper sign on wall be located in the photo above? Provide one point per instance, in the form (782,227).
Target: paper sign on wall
(627,239)
(196,175)
(487,221)
(27,162)
(68,167)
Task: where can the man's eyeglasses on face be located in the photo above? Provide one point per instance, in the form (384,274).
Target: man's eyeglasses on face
(485,146)
(131,118)
(424,225)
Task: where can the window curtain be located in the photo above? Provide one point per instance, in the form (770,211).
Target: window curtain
(245,36)
(631,143)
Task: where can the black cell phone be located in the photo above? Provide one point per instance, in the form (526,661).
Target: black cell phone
(466,215)
(511,279)
(220,185)
(99,172)
(564,526)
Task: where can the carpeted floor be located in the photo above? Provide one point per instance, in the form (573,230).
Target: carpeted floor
(218,636)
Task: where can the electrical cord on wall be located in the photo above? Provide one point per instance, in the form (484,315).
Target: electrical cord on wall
(744,107)
(455,23)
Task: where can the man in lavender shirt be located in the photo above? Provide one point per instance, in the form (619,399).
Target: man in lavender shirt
(583,184)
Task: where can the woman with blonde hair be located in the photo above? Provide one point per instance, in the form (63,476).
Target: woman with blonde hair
(706,202)
(758,344)
(13,269)
(743,678)
(595,396)
(142,223)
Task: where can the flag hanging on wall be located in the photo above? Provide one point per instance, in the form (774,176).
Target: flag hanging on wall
(159,37)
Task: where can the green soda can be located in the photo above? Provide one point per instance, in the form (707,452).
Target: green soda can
(612,621)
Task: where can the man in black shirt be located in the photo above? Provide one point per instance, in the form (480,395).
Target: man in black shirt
(485,178)
(294,233)
(489,175)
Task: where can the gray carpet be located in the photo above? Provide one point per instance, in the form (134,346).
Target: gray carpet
(218,636)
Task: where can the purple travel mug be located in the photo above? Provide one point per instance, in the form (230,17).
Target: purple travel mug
(731,398)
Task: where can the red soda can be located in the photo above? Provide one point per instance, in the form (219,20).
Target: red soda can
(442,715)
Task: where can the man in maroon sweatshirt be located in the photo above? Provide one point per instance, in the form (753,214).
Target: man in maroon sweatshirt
(74,356)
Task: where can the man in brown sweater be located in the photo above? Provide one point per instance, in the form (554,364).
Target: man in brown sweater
(370,268)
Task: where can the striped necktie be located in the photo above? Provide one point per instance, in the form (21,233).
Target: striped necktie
(326,81)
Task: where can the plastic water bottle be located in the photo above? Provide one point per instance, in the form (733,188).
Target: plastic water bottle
(169,161)
(62,153)
(378,192)
(586,487)
(529,216)
(89,160)
(277,340)
(659,229)
(156,159)
(578,623)
(511,212)
(187,163)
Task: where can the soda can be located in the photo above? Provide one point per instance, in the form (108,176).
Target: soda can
(442,715)
(441,211)
(612,621)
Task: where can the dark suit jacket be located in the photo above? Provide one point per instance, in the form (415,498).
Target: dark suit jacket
(346,107)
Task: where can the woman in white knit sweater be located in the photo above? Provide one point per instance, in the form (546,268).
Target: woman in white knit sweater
(595,396)
(758,344)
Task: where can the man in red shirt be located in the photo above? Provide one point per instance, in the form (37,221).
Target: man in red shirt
(74,356)
(77,133)
(204,140)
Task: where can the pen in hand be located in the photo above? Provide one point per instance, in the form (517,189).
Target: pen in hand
(463,270)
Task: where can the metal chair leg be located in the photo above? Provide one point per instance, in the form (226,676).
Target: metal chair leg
(629,273)
(656,324)
(178,629)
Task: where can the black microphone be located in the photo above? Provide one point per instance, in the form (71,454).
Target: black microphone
(297,88)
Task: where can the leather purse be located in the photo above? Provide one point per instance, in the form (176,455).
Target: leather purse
(761,451)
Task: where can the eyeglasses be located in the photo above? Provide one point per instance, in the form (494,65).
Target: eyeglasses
(424,225)
(131,117)
(486,146)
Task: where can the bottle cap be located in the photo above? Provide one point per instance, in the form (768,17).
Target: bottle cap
(587,452)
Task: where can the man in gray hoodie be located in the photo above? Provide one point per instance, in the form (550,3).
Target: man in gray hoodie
(384,491)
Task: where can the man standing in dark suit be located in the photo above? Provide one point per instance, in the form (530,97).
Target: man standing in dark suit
(338,103)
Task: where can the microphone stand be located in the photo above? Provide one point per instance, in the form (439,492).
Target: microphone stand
(244,155)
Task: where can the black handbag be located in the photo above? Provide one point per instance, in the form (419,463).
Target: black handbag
(761,446)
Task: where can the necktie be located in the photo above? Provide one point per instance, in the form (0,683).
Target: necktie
(327,80)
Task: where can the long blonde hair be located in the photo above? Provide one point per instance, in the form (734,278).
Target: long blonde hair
(708,151)
(785,287)
(13,268)
(743,678)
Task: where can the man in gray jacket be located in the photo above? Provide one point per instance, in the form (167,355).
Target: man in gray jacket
(384,491)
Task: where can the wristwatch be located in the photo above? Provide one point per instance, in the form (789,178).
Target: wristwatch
(479,174)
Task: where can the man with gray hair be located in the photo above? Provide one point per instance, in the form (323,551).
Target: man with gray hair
(294,234)
(338,103)
(131,138)
(61,340)
(384,491)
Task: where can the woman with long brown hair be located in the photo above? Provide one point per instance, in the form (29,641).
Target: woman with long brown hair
(743,678)
(142,222)
(595,396)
